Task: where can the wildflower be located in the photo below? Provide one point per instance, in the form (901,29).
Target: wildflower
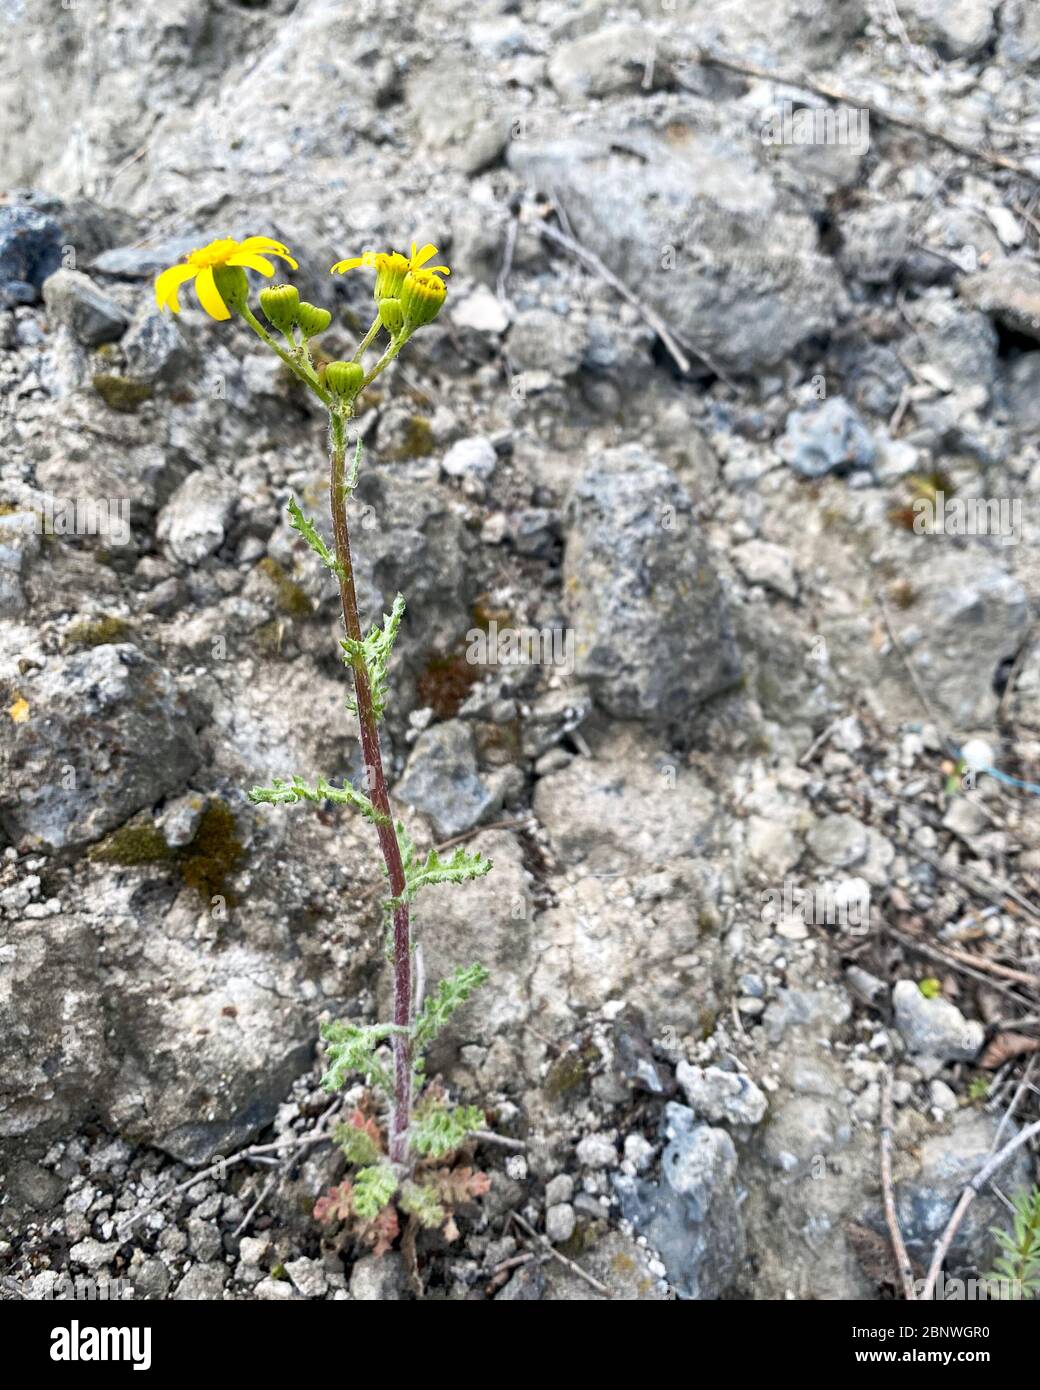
(312,320)
(422,295)
(219,273)
(19,711)
(391,267)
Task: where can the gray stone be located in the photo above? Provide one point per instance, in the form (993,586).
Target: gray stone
(471,458)
(935,1027)
(559,1189)
(74,300)
(121,724)
(956,28)
(443,782)
(597,1151)
(559,1222)
(94,1255)
(611,60)
(826,439)
(155,348)
(721,1097)
(762,562)
(840,840)
(691,1218)
(693,219)
(1009,291)
(30,250)
(308,1276)
(202,1283)
(378,1278)
(638,582)
(272,1290)
(19,545)
(204,1239)
(194,522)
(948,1161)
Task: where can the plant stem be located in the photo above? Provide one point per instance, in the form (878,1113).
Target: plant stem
(366,341)
(375,781)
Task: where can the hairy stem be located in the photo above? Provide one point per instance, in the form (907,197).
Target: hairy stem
(375,780)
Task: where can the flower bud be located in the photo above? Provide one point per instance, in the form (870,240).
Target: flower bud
(280,306)
(422,295)
(311,319)
(232,286)
(391,315)
(344,379)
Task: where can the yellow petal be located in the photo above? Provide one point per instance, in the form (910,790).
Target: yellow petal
(341,267)
(252,262)
(421,257)
(209,295)
(284,255)
(261,243)
(19,711)
(168,283)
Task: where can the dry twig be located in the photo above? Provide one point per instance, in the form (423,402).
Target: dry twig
(902,1259)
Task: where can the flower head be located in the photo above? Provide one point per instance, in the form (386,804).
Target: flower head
(391,267)
(208,267)
(422,295)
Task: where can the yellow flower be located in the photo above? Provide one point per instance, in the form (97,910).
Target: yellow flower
(200,266)
(422,295)
(391,267)
(19,711)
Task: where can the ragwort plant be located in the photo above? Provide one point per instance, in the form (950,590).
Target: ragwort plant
(421,1127)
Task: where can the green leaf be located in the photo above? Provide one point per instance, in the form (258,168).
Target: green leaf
(373,652)
(438,1129)
(306,528)
(451,993)
(373,1189)
(352,1050)
(433,869)
(282,793)
(421,1203)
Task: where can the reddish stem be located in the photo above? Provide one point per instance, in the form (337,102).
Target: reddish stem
(375,780)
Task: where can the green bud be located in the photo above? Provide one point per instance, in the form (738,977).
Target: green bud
(312,320)
(391,315)
(422,295)
(344,379)
(280,306)
(232,286)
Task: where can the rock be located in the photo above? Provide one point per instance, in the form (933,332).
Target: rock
(955,28)
(253,1249)
(559,1222)
(959,343)
(761,562)
(155,349)
(826,439)
(74,300)
(471,458)
(443,782)
(109,732)
(19,544)
(948,1161)
(204,1239)
(691,1218)
(195,520)
(559,1189)
(378,1279)
(144,262)
(935,1027)
(611,60)
(597,810)
(30,250)
(308,1277)
(1009,291)
(617,1261)
(540,340)
(271,1290)
(202,1282)
(839,840)
(691,219)
(721,1097)
(638,582)
(597,1151)
(820,1010)
(1019,40)
(94,1255)
(967,617)
(481,312)
(875,241)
